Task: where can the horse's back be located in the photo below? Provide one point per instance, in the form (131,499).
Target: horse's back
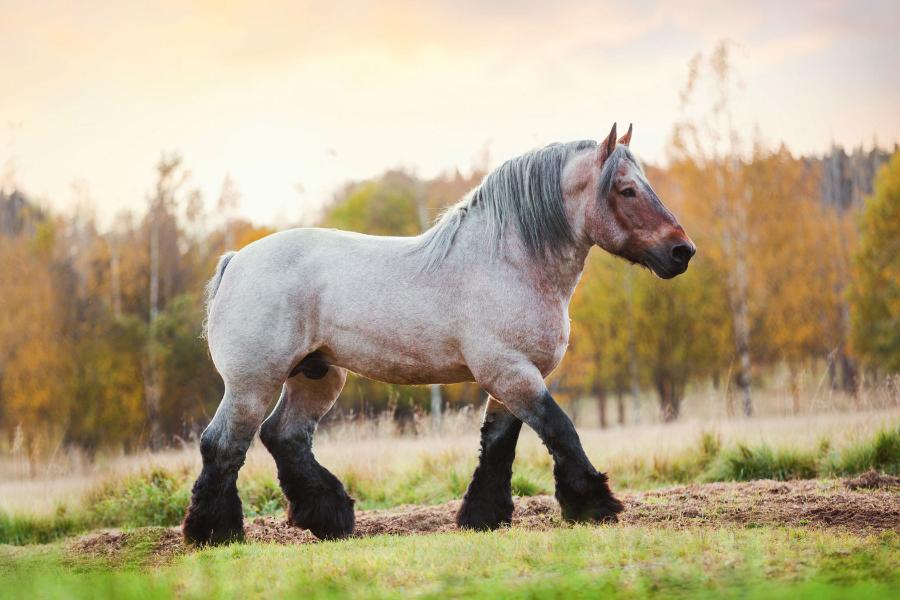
(363,300)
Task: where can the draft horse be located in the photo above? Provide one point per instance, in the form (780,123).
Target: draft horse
(481,296)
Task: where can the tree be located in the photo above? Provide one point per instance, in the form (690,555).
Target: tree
(846,181)
(628,323)
(35,357)
(386,206)
(875,295)
(679,332)
(167,273)
(793,263)
(709,146)
(602,331)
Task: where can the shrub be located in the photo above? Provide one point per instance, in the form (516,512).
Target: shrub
(261,496)
(745,464)
(690,465)
(881,453)
(157,497)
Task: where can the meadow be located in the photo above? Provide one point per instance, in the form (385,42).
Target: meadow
(105,527)
(747,412)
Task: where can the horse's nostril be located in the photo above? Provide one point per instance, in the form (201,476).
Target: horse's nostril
(682,253)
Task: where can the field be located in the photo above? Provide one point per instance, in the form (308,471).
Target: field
(771,507)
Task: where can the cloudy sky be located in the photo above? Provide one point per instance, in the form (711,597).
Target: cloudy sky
(292,98)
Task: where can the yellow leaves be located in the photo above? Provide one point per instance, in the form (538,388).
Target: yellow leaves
(249,234)
(35,363)
(44,238)
(795,253)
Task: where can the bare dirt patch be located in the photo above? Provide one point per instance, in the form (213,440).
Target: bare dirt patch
(780,503)
(847,505)
(873,480)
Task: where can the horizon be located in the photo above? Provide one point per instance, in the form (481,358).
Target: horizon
(299,103)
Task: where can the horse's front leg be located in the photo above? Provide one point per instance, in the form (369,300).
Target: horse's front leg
(488,502)
(582,491)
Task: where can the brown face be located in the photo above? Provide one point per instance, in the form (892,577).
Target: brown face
(650,235)
(635,224)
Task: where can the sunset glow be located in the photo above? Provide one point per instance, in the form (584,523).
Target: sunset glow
(292,100)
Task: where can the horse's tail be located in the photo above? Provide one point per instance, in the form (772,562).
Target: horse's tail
(212,285)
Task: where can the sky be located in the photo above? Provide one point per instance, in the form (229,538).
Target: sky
(292,99)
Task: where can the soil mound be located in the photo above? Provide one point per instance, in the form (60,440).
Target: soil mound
(866,504)
(873,480)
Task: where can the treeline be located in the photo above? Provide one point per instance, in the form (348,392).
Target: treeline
(798,266)
(100,331)
(99,337)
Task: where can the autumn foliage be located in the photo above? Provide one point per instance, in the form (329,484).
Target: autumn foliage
(100,342)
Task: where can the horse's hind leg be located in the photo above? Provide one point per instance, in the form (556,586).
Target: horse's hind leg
(317,499)
(488,501)
(214,515)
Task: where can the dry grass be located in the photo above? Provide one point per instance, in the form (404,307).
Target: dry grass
(371,452)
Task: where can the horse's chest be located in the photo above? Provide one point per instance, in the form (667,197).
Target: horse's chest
(545,340)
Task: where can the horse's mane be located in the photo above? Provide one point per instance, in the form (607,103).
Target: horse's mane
(525,191)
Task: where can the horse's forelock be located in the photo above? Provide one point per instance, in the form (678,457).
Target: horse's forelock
(611,166)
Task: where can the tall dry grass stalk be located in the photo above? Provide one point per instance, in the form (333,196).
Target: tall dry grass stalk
(372,450)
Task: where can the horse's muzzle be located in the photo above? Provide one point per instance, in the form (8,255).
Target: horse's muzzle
(670,259)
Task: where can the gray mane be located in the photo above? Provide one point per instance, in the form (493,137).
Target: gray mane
(525,191)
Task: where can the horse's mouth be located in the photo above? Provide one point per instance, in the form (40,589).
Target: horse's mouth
(664,273)
(657,260)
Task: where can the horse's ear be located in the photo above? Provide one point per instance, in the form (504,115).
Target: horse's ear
(626,139)
(607,146)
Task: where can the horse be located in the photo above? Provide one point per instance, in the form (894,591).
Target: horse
(481,296)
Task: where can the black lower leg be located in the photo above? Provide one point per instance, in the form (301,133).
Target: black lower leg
(488,501)
(316,498)
(214,515)
(583,493)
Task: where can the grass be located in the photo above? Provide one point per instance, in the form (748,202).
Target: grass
(40,529)
(881,454)
(761,562)
(158,496)
(577,562)
(743,463)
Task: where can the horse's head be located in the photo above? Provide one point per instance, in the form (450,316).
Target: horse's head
(621,212)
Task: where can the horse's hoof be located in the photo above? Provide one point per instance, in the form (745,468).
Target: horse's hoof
(589,500)
(602,510)
(201,531)
(483,513)
(328,515)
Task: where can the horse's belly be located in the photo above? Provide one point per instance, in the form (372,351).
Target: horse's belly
(401,370)
(392,357)
(409,375)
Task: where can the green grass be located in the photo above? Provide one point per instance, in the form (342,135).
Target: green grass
(30,529)
(159,496)
(744,463)
(882,453)
(578,562)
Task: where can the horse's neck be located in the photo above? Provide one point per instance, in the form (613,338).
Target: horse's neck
(560,274)
(554,274)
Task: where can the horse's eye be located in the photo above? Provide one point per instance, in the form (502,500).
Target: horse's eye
(628,192)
